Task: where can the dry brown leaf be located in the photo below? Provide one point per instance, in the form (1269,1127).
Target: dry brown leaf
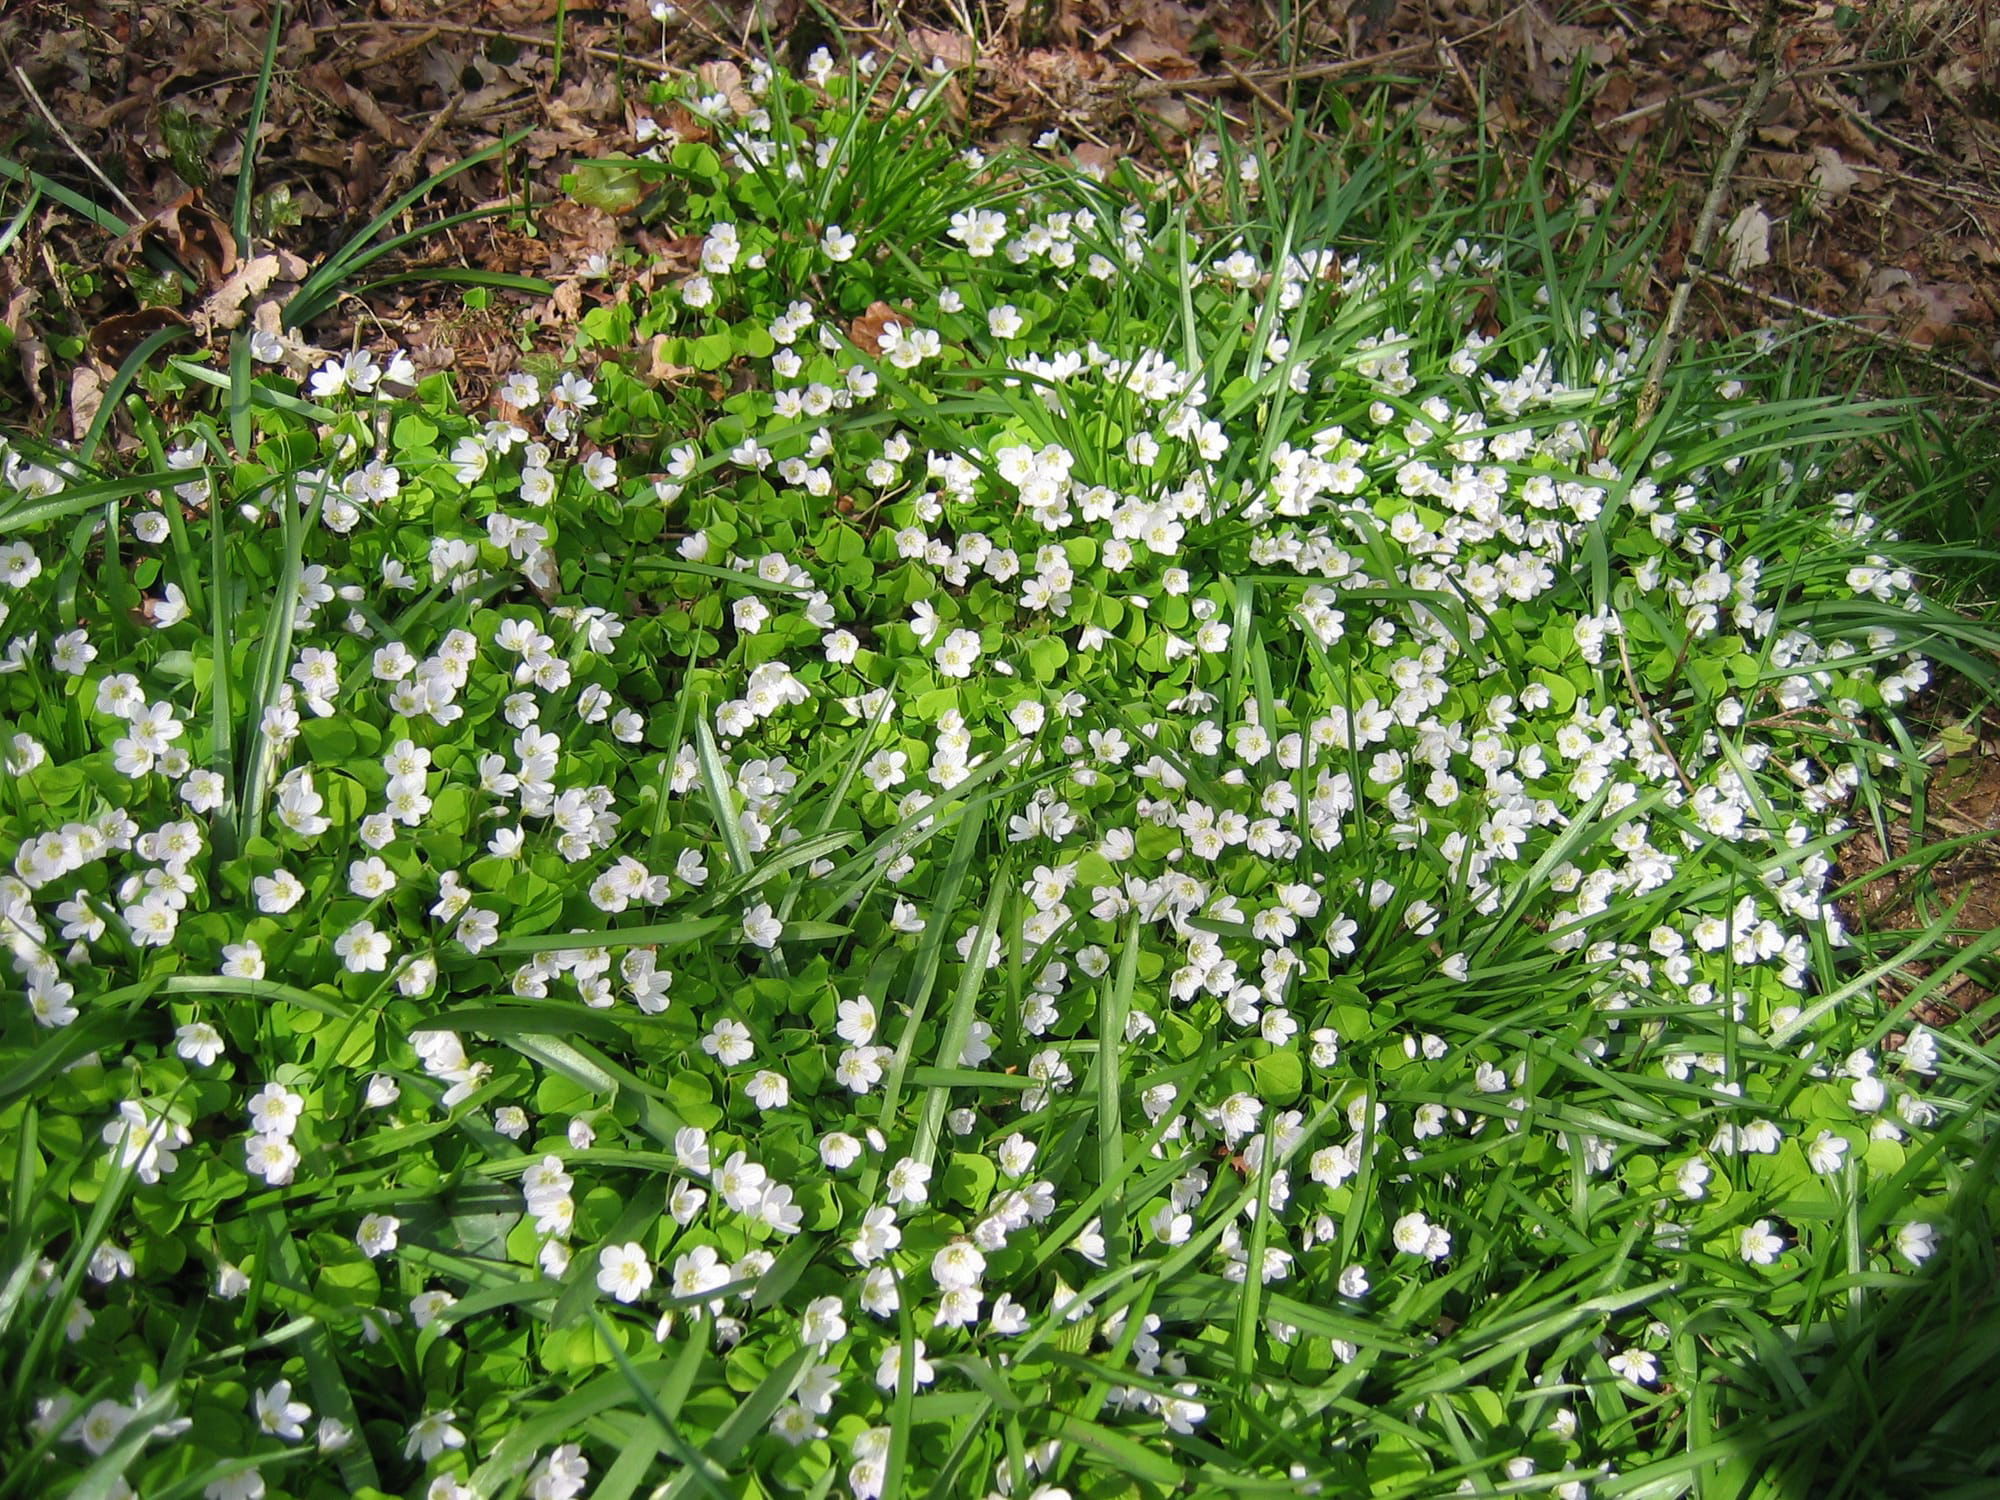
(1969,248)
(1095,159)
(223,308)
(1748,239)
(1832,178)
(952,48)
(1725,65)
(684,125)
(86,399)
(673,256)
(1165,58)
(360,103)
(1615,97)
(20,302)
(566,306)
(1887,280)
(726,79)
(1544,39)
(662,368)
(118,335)
(580,228)
(583,107)
(866,330)
(202,241)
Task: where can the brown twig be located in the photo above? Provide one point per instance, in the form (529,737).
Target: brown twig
(519,38)
(139,215)
(403,171)
(1764,49)
(1901,346)
(1277,105)
(401,50)
(1209,82)
(1472,95)
(1645,711)
(1683,96)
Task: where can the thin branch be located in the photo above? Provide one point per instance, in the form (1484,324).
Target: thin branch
(1683,96)
(1645,709)
(404,171)
(1901,346)
(1208,83)
(1764,48)
(491,33)
(139,215)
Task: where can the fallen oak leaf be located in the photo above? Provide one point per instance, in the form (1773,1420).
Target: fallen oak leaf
(1748,239)
(1832,179)
(952,48)
(197,238)
(866,331)
(675,256)
(86,399)
(115,337)
(726,78)
(223,308)
(660,367)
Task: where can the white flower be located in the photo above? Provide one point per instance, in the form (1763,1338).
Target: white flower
(729,1043)
(362,948)
(761,927)
(277,892)
(908,1181)
(199,1043)
(271,1157)
(959,654)
(623,1272)
(146,1140)
(889,1371)
(1016,1155)
(276,1110)
(99,1427)
(1916,1243)
(1760,1244)
(1636,1365)
(281,1416)
(377,1234)
(958,1265)
(823,1325)
(1411,1234)
(370,877)
(1827,1152)
(562,1476)
(1692,1179)
(839,1150)
(432,1434)
(244,960)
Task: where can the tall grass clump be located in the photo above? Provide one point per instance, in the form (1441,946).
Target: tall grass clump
(1027,835)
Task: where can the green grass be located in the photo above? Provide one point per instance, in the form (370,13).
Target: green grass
(1364,984)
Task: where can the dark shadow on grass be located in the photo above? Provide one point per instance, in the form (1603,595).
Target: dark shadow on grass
(1901,1391)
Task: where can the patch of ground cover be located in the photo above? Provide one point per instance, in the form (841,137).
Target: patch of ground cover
(1487,1300)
